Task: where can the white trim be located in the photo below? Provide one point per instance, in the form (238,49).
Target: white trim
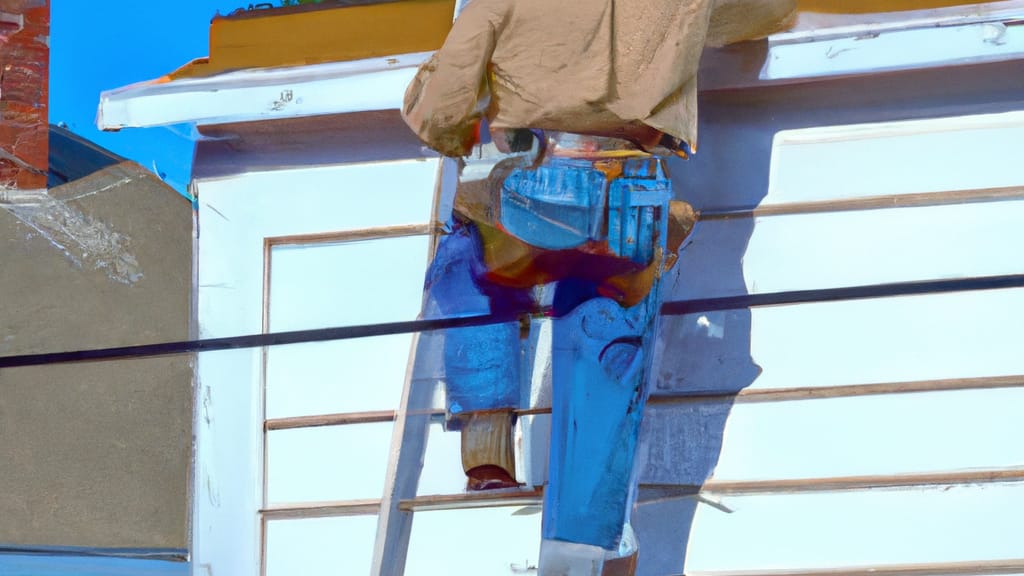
(874,51)
(236,216)
(262,94)
(870,131)
(813,27)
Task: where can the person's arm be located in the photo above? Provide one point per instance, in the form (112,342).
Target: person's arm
(738,20)
(446,99)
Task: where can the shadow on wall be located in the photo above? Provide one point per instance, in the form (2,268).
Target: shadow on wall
(703,353)
(709,354)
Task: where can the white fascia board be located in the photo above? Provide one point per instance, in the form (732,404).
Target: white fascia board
(262,94)
(871,51)
(812,27)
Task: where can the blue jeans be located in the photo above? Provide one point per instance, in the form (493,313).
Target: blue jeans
(602,349)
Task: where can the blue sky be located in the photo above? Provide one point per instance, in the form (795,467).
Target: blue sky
(98,46)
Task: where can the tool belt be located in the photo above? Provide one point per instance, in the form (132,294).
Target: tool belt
(597,215)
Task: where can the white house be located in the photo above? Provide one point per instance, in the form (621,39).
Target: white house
(839,375)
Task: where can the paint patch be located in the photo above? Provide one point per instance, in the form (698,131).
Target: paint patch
(714,329)
(86,242)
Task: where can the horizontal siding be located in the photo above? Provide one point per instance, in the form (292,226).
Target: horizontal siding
(851,248)
(938,336)
(298,384)
(320,545)
(327,463)
(320,199)
(793,484)
(859,436)
(841,162)
(471,542)
(881,527)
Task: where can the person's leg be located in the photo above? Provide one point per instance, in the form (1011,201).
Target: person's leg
(481,363)
(601,362)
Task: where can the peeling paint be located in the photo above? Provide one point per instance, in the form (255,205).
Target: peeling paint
(714,329)
(207,401)
(86,242)
(218,212)
(212,495)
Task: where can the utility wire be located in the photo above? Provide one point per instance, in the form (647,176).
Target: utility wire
(675,308)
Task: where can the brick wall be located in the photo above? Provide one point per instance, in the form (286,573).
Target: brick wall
(24,85)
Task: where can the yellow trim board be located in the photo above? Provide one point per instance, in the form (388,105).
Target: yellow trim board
(875,6)
(285,37)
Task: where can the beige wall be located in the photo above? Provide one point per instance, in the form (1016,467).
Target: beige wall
(96,454)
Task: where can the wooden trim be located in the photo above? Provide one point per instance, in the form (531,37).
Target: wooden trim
(852,483)
(376,233)
(469,500)
(435,211)
(915,200)
(328,33)
(533,411)
(884,6)
(262,546)
(976,568)
(263,451)
(268,243)
(713,487)
(744,396)
(318,420)
(366,507)
(749,395)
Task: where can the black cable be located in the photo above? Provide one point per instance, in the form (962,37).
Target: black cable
(676,308)
(917,288)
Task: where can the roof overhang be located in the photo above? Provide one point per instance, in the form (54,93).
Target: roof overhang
(821,46)
(262,94)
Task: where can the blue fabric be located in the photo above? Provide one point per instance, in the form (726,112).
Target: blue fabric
(601,363)
(562,204)
(601,355)
(481,363)
(634,218)
(555,206)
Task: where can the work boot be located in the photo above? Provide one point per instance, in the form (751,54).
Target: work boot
(488,456)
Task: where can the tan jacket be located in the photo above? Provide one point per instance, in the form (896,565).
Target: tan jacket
(610,67)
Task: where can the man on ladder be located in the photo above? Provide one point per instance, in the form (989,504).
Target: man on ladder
(601,91)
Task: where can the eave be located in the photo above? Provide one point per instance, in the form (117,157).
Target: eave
(262,94)
(822,45)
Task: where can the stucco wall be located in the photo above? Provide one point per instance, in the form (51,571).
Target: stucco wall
(96,454)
